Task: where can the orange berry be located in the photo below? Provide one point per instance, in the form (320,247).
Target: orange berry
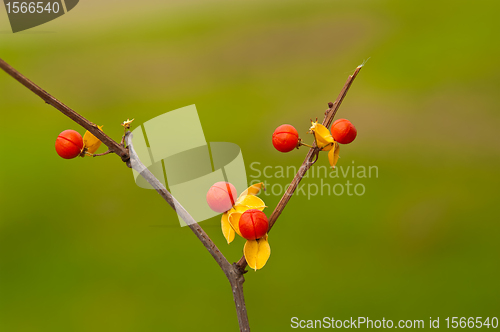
(253,224)
(285,138)
(69,144)
(343,131)
(221,196)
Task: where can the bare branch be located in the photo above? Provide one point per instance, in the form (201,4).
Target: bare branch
(110,143)
(233,274)
(308,161)
(178,208)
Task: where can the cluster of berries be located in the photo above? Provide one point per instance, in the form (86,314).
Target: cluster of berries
(243,215)
(286,138)
(253,223)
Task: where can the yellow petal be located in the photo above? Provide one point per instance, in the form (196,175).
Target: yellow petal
(324,139)
(227,230)
(234,221)
(253,189)
(257,253)
(91,142)
(240,208)
(333,155)
(251,202)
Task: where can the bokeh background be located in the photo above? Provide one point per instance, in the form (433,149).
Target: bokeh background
(82,248)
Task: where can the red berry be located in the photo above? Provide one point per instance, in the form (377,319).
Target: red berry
(343,131)
(69,144)
(253,224)
(221,196)
(285,138)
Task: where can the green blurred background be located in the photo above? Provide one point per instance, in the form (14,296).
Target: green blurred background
(83,248)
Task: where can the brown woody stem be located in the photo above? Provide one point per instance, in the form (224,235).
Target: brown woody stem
(233,274)
(308,161)
(105,139)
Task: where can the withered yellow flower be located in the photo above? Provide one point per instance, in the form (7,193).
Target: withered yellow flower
(324,139)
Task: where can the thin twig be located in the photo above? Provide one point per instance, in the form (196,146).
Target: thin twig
(105,139)
(308,161)
(101,154)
